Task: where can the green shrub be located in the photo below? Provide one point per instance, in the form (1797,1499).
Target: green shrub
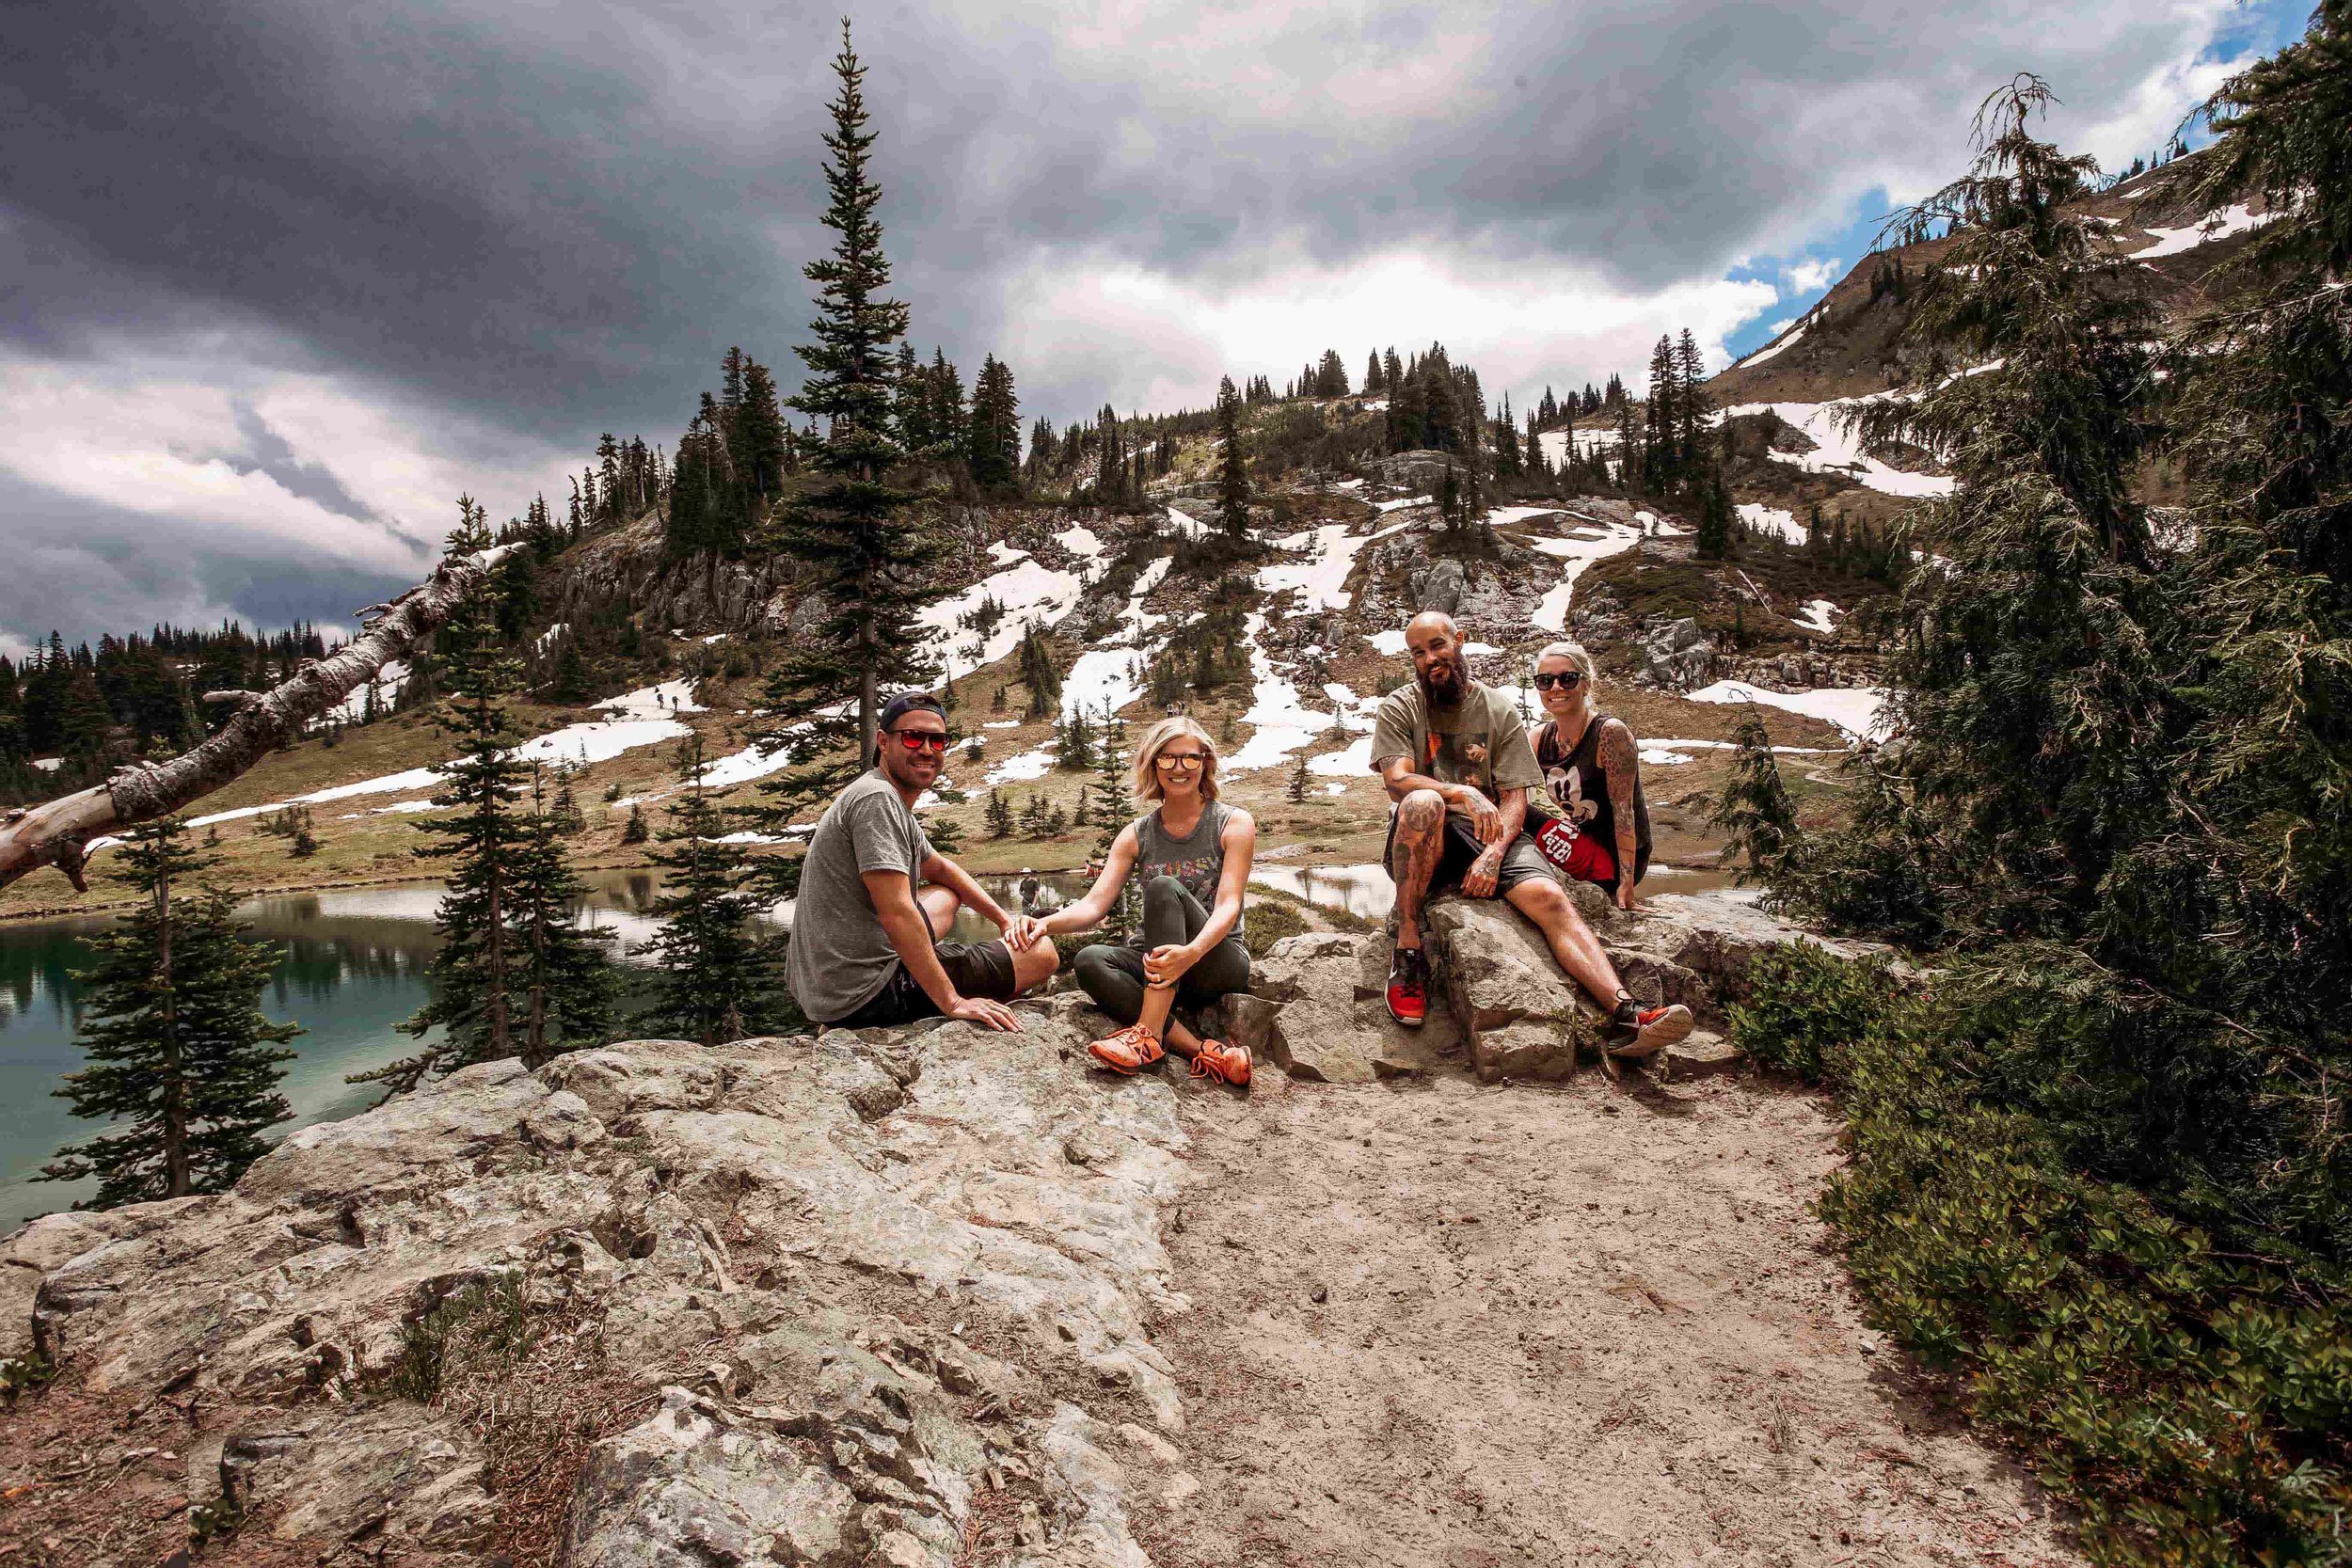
(1269,921)
(2193,1403)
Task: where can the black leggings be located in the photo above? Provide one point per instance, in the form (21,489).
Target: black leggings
(1113,975)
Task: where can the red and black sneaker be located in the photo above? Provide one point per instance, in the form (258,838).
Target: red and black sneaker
(1636,1031)
(1409,987)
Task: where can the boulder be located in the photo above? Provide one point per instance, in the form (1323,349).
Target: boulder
(783,1255)
(1316,1011)
(1520,1014)
(1711,936)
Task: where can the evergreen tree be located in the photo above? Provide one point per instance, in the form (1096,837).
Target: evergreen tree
(634,830)
(178,1060)
(1690,406)
(992,443)
(760,444)
(1037,671)
(1296,792)
(1715,518)
(874,566)
(1232,484)
(568,992)
(910,403)
(480,832)
(999,814)
(1114,808)
(1374,380)
(718,978)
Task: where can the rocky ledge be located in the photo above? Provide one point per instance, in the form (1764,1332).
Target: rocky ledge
(1315,1007)
(866,1298)
(877,1297)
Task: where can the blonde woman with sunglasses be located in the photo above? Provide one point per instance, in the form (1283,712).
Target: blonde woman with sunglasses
(1191,853)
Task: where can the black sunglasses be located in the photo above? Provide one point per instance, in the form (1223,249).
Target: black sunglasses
(1567,680)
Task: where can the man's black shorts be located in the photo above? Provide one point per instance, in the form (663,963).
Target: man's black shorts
(974,968)
(1459,846)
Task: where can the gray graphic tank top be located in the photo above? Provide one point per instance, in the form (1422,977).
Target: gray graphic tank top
(1196,859)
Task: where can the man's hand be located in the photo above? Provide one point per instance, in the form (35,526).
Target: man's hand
(1625,893)
(1164,966)
(1485,816)
(1478,881)
(987,1014)
(1024,931)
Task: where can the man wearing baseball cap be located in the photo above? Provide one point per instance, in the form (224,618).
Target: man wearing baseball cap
(876,897)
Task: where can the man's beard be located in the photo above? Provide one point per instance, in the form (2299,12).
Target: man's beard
(1444,695)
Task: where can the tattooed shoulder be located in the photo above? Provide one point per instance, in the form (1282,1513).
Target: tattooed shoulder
(1619,758)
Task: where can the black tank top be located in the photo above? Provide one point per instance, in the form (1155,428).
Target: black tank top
(1578,787)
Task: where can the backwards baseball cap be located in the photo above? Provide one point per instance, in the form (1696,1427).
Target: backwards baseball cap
(910,702)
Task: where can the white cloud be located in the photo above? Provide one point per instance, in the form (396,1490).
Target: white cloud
(1158,341)
(1807,277)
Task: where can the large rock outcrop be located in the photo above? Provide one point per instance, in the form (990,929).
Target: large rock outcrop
(861,1298)
(1500,999)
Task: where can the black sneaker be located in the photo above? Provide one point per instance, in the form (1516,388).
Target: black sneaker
(1409,987)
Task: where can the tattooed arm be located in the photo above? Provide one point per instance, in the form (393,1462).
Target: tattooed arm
(1620,760)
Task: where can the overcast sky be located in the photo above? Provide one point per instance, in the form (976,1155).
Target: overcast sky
(278,280)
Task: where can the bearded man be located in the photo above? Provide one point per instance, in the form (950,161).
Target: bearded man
(1454,757)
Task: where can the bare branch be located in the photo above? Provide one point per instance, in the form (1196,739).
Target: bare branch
(55,833)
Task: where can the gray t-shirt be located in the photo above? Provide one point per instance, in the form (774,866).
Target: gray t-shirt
(1480,741)
(840,954)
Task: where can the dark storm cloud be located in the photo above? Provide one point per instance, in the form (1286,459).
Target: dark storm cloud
(83,568)
(503,229)
(564,213)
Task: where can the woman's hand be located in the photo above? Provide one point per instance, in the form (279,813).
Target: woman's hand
(1021,930)
(1625,893)
(1164,966)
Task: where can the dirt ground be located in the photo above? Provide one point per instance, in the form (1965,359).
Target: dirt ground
(1441,1322)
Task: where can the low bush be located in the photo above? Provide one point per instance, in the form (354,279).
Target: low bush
(2193,1403)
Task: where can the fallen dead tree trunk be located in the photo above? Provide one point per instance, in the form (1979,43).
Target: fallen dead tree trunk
(56,833)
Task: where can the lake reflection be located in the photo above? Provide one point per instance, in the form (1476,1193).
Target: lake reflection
(351,966)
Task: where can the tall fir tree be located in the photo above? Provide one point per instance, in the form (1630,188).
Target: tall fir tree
(1690,408)
(1114,808)
(719,978)
(176,1059)
(873,563)
(567,990)
(1232,482)
(992,443)
(480,832)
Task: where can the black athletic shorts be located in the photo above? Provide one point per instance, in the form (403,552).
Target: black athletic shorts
(974,968)
(1459,847)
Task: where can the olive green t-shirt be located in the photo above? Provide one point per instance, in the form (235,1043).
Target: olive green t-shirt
(1480,741)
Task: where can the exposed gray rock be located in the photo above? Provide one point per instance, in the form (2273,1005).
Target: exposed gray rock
(806,1242)
(1678,656)
(692,1486)
(1713,935)
(1522,1015)
(1316,1011)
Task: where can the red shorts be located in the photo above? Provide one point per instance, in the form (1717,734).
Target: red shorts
(1580,855)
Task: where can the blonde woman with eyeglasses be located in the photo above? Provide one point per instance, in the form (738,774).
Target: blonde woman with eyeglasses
(1191,851)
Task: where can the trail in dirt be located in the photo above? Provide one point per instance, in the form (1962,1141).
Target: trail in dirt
(1584,1324)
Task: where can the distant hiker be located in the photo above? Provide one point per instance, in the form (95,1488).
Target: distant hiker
(1596,820)
(1456,762)
(866,951)
(1192,852)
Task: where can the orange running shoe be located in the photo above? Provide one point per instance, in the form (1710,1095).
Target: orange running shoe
(1227,1064)
(1129,1051)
